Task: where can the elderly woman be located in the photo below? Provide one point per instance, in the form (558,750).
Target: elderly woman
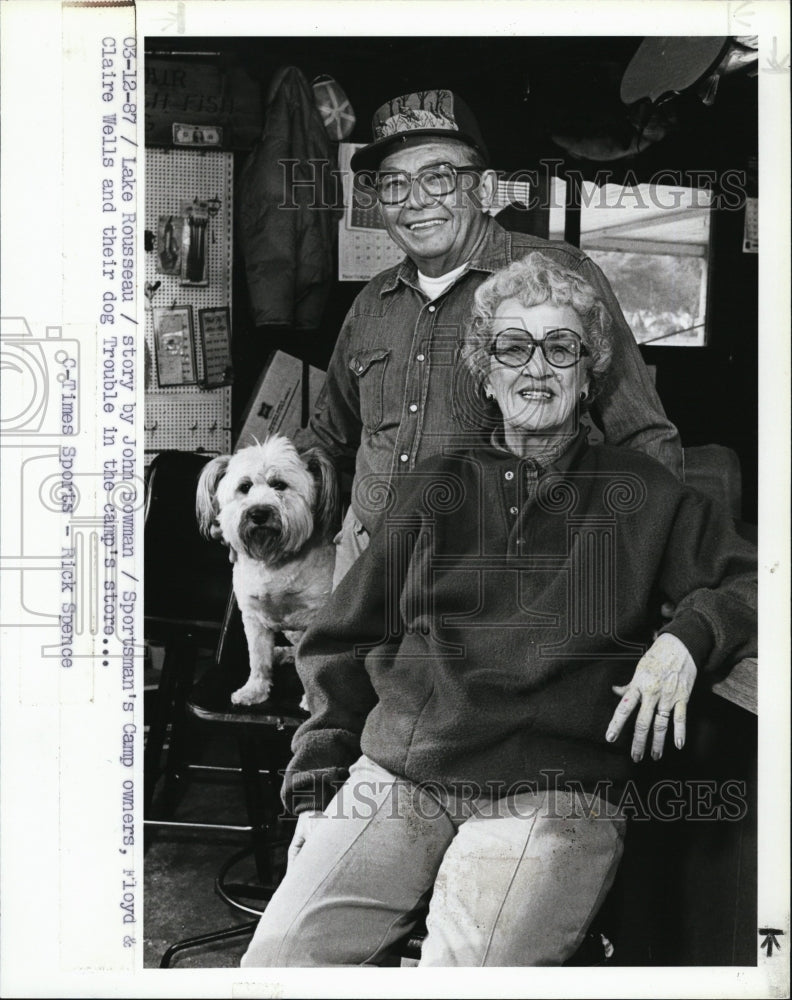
(463,746)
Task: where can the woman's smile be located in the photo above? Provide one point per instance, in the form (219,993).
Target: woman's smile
(535,392)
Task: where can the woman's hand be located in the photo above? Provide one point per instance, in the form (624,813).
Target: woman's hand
(306,821)
(662,683)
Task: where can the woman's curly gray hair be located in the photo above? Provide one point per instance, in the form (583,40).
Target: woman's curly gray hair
(533,280)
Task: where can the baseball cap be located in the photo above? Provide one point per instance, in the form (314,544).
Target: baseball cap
(423,114)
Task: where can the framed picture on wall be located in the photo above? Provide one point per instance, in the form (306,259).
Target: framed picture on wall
(174,346)
(215,340)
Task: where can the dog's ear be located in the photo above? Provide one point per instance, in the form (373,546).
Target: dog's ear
(206,509)
(328,493)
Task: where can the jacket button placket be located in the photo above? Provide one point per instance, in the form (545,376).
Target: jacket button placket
(509,482)
(418,372)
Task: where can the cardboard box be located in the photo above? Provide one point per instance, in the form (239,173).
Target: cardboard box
(276,406)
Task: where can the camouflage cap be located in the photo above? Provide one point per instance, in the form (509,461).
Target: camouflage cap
(423,114)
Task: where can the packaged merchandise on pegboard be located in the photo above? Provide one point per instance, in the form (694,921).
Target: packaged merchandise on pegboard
(188,262)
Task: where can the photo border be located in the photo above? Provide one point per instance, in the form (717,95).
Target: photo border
(52,735)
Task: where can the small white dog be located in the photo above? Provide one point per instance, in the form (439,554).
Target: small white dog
(277,512)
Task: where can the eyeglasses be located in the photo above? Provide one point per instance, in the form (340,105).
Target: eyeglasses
(514,348)
(395,187)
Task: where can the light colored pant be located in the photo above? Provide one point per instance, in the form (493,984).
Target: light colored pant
(350,542)
(512,883)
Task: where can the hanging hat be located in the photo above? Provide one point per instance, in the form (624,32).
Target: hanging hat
(425,114)
(334,107)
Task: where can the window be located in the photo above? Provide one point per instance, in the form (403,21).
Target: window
(652,243)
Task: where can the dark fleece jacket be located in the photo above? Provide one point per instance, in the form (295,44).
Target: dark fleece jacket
(474,644)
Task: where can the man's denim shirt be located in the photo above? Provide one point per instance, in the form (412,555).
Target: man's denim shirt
(396,391)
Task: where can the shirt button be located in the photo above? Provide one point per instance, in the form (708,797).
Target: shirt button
(420,357)
(509,475)
(404,458)
(431,309)
(413,407)
(512,510)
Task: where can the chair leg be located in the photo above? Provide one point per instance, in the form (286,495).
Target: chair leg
(186,654)
(225,935)
(259,810)
(158,726)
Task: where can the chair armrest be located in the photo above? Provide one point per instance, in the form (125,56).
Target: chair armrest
(739,685)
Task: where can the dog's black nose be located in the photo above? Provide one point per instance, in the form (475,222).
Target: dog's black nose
(260,515)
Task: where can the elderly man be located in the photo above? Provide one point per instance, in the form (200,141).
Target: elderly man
(392,395)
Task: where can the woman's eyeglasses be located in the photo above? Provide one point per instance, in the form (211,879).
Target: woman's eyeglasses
(396,186)
(514,348)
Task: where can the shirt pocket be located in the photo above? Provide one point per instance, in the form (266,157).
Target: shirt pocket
(369,367)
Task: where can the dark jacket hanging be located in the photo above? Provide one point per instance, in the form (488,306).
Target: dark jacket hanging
(286,218)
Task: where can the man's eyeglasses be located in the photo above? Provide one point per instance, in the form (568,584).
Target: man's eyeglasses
(514,348)
(396,186)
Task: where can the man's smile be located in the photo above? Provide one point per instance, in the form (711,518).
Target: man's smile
(425,224)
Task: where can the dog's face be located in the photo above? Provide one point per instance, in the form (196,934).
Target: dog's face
(266,500)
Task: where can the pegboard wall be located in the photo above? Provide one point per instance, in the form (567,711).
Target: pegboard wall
(188,418)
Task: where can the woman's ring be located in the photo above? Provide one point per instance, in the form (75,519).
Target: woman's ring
(662,712)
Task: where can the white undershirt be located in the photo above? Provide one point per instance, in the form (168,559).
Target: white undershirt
(433,287)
